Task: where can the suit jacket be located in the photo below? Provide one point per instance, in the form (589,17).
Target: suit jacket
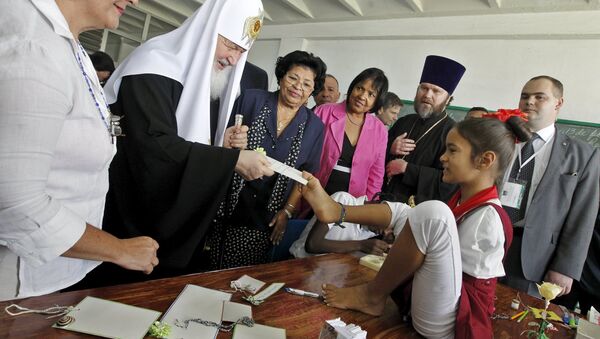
(559,221)
(368,163)
(254,77)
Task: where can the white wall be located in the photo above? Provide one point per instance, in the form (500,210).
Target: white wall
(500,52)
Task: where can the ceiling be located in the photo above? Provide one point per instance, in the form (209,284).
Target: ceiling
(153,17)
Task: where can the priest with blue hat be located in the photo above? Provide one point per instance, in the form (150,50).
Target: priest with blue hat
(416,141)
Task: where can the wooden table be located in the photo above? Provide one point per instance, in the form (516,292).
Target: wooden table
(302,317)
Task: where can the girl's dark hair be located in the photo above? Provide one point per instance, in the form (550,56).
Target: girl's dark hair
(380,83)
(305,59)
(488,134)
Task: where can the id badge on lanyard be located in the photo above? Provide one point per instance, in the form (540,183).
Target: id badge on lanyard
(513,192)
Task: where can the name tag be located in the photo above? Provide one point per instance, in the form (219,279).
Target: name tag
(512,193)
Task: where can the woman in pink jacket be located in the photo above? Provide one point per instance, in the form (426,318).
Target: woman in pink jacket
(353,157)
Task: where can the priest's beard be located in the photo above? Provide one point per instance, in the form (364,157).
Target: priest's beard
(425,111)
(219,81)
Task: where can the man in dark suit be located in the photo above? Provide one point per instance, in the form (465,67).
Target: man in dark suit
(551,194)
(254,77)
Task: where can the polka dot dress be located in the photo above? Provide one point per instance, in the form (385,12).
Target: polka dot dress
(234,246)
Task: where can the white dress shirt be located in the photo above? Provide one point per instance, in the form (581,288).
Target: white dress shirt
(54,150)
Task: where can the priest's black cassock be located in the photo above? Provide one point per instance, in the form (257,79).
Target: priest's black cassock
(423,176)
(161,185)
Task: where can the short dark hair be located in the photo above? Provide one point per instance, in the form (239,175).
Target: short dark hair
(102,62)
(380,82)
(315,93)
(556,84)
(304,59)
(390,99)
(489,134)
(478,108)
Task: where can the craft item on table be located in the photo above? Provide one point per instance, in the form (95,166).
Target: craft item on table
(51,312)
(264,294)
(515,304)
(523,316)
(337,329)
(108,319)
(302,293)
(247,283)
(550,315)
(373,261)
(195,303)
(517,315)
(593,316)
(572,319)
(159,330)
(287,171)
(587,330)
(232,312)
(258,332)
(548,291)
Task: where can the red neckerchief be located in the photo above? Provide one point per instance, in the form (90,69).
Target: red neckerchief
(475,201)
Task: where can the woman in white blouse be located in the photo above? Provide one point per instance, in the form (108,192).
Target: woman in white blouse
(55,149)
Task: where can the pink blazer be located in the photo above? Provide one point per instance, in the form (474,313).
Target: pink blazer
(368,164)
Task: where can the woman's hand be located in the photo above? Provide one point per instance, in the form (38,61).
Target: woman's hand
(236,137)
(138,254)
(279,224)
(325,208)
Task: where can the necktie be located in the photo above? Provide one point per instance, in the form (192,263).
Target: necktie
(525,174)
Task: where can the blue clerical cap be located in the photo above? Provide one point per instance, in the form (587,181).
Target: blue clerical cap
(442,72)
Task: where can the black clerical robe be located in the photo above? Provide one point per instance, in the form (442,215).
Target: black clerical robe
(423,176)
(161,185)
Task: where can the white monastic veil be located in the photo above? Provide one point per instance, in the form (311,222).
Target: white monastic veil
(186,55)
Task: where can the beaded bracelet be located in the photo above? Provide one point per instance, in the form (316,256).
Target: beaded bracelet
(342,216)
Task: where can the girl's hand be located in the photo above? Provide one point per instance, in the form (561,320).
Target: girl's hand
(279,224)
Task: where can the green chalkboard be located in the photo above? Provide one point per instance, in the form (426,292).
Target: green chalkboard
(584,131)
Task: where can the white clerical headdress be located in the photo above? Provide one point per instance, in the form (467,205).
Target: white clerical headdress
(186,55)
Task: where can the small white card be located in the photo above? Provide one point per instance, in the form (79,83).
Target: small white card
(232,312)
(286,170)
(258,332)
(110,319)
(247,283)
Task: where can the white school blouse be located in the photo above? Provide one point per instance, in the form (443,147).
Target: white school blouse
(54,151)
(482,242)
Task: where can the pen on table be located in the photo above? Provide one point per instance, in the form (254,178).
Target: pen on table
(302,293)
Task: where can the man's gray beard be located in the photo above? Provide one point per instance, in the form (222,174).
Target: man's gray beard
(425,115)
(219,82)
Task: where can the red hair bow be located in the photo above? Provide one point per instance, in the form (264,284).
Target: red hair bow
(505,114)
